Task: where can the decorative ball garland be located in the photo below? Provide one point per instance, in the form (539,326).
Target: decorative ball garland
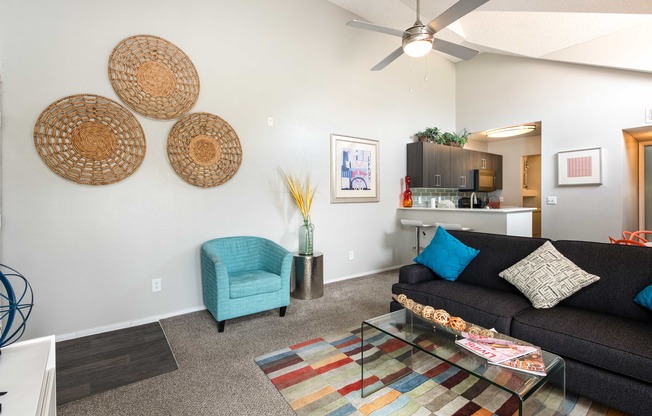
(441,317)
(428,312)
(457,323)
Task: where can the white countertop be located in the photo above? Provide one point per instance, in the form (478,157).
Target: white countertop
(505,210)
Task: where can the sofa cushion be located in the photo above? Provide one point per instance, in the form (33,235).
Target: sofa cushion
(253,282)
(497,252)
(644,298)
(485,307)
(446,255)
(605,341)
(546,277)
(624,271)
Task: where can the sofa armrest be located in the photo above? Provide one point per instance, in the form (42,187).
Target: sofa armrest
(416,273)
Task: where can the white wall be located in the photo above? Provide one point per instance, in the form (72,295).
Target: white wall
(579,107)
(90,252)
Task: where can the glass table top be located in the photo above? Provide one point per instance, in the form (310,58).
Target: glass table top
(422,335)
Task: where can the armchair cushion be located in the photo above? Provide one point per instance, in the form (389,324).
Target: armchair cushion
(253,282)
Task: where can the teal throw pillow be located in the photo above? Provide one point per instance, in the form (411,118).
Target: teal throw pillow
(644,298)
(446,255)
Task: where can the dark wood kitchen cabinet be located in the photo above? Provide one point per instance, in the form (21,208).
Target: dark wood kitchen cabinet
(432,165)
(497,161)
(462,162)
(428,165)
(489,161)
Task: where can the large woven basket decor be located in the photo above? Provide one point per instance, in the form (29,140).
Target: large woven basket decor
(90,139)
(204,149)
(153,77)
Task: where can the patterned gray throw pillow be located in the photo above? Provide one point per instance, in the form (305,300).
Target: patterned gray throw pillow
(546,277)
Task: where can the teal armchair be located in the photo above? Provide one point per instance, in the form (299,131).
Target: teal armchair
(244,275)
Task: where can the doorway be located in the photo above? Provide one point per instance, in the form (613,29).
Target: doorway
(647,186)
(531,189)
(637,178)
(517,151)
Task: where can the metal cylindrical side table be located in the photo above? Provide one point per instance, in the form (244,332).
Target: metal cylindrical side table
(307,276)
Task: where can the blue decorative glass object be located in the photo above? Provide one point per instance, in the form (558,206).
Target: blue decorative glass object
(16,302)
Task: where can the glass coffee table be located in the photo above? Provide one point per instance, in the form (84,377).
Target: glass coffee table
(395,345)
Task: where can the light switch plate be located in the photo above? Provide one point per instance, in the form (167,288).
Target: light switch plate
(551,200)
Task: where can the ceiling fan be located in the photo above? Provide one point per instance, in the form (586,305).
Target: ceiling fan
(420,39)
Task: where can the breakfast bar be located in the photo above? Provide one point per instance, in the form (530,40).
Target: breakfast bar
(509,220)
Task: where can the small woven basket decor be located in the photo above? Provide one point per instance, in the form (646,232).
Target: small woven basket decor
(89,139)
(153,77)
(204,150)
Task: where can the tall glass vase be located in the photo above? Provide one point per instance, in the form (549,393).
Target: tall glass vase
(306,238)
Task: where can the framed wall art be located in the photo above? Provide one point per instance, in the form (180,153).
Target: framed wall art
(354,169)
(579,167)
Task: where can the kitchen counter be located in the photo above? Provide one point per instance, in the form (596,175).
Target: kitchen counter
(507,220)
(474,210)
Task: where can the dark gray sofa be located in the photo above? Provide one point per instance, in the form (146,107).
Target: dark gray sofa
(604,337)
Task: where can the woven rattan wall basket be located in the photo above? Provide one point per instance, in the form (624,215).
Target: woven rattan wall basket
(204,150)
(153,77)
(90,139)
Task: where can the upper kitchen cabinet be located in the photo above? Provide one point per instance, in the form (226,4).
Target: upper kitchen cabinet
(483,160)
(428,165)
(432,165)
(490,161)
(462,162)
(497,162)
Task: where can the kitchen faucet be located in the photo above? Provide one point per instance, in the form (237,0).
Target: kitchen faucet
(473,200)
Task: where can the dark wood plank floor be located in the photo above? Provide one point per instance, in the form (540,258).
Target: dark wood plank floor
(101,362)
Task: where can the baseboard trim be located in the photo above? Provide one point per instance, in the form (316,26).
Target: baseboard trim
(126,324)
(156,318)
(353,276)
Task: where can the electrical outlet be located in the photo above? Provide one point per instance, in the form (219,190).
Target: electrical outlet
(156,285)
(501,198)
(351,255)
(551,200)
(270,121)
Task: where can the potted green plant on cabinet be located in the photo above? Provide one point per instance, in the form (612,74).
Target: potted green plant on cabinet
(457,139)
(435,135)
(430,134)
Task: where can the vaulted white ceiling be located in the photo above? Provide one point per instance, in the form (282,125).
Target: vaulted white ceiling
(608,33)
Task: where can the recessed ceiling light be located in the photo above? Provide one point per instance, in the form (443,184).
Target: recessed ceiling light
(511,131)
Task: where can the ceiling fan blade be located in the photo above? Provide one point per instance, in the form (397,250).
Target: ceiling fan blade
(390,58)
(370,26)
(455,12)
(454,49)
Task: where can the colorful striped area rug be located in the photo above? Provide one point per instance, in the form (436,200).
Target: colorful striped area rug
(322,377)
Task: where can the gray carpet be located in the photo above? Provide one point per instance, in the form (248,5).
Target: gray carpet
(217,374)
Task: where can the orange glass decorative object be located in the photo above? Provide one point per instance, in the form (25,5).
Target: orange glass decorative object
(407,195)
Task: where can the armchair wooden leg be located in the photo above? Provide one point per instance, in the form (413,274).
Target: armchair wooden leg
(220,326)
(281,312)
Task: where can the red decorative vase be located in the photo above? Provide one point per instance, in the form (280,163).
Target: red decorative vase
(407,195)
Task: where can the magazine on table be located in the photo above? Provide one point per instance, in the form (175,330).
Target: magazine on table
(486,340)
(496,352)
(531,363)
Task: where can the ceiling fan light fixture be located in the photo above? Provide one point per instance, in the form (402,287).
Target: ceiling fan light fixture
(511,131)
(417,41)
